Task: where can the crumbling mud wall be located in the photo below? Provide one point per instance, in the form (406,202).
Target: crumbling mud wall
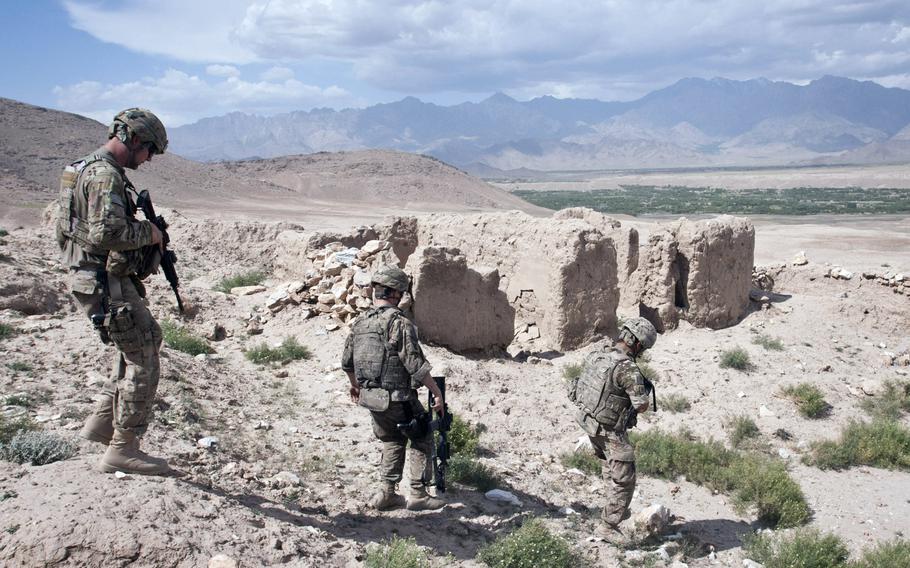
(559,276)
(458,306)
(697,271)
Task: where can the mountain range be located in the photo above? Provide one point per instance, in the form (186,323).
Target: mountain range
(693,123)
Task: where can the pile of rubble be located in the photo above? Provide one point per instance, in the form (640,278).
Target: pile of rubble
(899,282)
(338,284)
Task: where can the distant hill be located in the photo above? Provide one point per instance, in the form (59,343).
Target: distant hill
(695,122)
(36,143)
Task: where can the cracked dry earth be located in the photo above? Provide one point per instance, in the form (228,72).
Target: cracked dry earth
(297,418)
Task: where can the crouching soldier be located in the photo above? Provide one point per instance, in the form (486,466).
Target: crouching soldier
(386,366)
(609,393)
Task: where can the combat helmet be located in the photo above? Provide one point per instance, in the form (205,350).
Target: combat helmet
(141,122)
(391,277)
(642,330)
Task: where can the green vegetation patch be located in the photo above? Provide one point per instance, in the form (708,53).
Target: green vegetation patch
(246,279)
(468,471)
(6,331)
(531,546)
(754,481)
(289,350)
(892,403)
(809,400)
(9,427)
(674,403)
(679,200)
(736,358)
(37,448)
(893,554)
(182,339)
(582,460)
(742,428)
(396,553)
(802,549)
(881,443)
(768,342)
(464,439)
(572,371)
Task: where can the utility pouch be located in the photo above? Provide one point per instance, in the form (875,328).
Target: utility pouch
(123,330)
(416,428)
(376,400)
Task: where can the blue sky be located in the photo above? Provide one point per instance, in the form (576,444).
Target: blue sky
(188,59)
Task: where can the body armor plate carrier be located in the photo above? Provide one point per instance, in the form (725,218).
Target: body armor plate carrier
(596,393)
(376,361)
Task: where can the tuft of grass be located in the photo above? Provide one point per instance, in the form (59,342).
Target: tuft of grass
(9,428)
(768,342)
(468,471)
(6,331)
(806,548)
(396,553)
(19,367)
(530,546)
(893,554)
(892,403)
(754,481)
(572,371)
(583,460)
(37,448)
(809,400)
(246,279)
(4,233)
(881,443)
(742,428)
(736,358)
(675,403)
(464,439)
(182,339)
(289,350)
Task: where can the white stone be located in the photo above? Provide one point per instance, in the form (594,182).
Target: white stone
(576,472)
(583,443)
(653,519)
(262,425)
(747,563)
(247,290)
(501,496)
(783,453)
(872,387)
(121,475)
(362,278)
(764,412)
(372,247)
(222,561)
(800,259)
(207,442)
(285,479)
(741,394)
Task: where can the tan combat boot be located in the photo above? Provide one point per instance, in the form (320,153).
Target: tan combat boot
(123,454)
(420,500)
(99,427)
(611,534)
(386,498)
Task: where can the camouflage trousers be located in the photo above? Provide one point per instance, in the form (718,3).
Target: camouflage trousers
(133,380)
(618,473)
(394,445)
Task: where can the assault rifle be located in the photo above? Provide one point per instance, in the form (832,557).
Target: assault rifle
(632,417)
(439,427)
(168,258)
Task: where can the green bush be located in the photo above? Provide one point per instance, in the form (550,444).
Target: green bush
(6,331)
(182,339)
(753,480)
(802,549)
(396,553)
(893,554)
(768,342)
(742,428)
(736,358)
(531,546)
(582,460)
(4,233)
(674,403)
(892,403)
(881,443)
(463,438)
(289,350)
(19,367)
(809,400)
(37,448)
(10,427)
(246,279)
(468,471)
(572,371)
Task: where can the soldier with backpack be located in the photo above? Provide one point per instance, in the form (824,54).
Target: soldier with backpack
(385,366)
(609,393)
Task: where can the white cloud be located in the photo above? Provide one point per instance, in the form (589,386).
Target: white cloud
(222,71)
(179,98)
(277,74)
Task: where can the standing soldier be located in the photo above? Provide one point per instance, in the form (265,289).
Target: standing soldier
(386,366)
(108,252)
(610,390)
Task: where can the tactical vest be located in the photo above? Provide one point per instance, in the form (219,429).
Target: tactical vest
(376,360)
(597,394)
(72,208)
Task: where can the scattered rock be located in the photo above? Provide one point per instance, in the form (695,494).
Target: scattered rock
(799,259)
(284,479)
(207,442)
(765,412)
(248,290)
(222,561)
(501,496)
(653,519)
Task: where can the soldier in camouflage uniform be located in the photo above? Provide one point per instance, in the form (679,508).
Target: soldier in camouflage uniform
(108,252)
(609,388)
(385,366)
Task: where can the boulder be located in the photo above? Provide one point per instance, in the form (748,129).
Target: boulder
(652,520)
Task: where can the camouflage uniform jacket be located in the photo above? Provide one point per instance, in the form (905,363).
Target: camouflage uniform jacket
(627,378)
(403,338)
(102,202)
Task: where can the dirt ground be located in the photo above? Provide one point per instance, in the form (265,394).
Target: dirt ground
(297,418)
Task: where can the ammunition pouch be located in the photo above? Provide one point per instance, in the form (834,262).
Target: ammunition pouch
(123,331)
